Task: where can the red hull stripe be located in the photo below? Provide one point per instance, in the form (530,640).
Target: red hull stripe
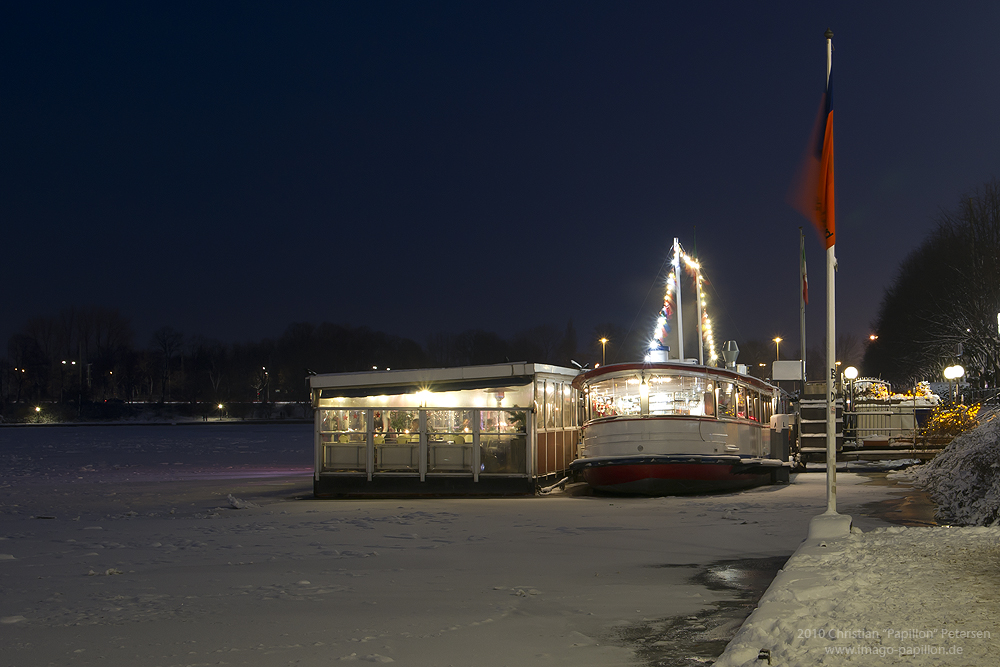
(613,475)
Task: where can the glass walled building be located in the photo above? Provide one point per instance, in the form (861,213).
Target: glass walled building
(476,430)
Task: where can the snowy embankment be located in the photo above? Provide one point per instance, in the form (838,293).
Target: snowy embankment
(964,479)
(923,596)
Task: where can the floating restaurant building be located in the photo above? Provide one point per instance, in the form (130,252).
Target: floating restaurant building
(502,429)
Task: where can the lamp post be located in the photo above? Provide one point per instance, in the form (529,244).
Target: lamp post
(603,342)
(955,373)
(777,342)
(851,373)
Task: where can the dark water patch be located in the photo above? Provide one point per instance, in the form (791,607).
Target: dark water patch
(699,639)
(911,507)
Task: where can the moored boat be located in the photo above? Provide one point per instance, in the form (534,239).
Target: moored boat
(678,426)
(659,428)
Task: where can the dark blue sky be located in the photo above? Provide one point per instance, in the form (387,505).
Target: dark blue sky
(230,168)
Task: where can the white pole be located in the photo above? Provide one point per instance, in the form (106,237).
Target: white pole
(677,286)
(831,333)
(701,333)
(802,302)
(802,322)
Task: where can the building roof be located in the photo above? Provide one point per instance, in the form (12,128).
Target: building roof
(402,381)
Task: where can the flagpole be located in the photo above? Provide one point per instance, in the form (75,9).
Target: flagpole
(803,286)
(831,332)
(803,295)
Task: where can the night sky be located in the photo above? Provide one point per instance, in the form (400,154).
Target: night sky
(230,168)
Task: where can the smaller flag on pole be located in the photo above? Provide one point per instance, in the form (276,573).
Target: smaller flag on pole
(805,278)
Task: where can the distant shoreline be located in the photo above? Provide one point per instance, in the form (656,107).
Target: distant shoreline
(189,422)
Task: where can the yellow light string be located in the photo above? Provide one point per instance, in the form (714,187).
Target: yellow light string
(708,336)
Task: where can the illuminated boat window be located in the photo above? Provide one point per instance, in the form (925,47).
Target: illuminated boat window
(727,400)
(615,397)
(677,395)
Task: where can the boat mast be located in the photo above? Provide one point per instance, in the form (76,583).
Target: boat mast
(680,320)
(701,333)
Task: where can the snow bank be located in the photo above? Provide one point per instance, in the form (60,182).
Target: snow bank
(964,479)
(925,596)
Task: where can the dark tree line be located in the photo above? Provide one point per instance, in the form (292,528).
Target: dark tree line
(943,306)
(88,355)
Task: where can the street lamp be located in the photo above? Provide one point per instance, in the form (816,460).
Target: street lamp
(777,341)
(603,342)
(851,374)
(956,373)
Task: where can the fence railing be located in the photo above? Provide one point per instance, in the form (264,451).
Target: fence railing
(890,420)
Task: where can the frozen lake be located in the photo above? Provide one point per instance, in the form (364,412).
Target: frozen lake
(120,545)
(156,452)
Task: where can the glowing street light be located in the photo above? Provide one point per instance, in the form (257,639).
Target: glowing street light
(955,372)
(603,342)
(777,342)
(850,374)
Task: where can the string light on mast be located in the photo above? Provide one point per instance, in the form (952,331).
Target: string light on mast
(658,346)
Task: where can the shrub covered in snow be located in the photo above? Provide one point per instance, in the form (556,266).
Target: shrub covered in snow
(964,479)
(952,420)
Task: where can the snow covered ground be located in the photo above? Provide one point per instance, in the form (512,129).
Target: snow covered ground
(200,545)
(919,596)
(914,595)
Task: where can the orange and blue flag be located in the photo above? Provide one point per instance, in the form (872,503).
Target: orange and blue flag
(814,196)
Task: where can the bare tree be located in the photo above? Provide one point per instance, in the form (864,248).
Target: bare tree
(168,342)
(943,306)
